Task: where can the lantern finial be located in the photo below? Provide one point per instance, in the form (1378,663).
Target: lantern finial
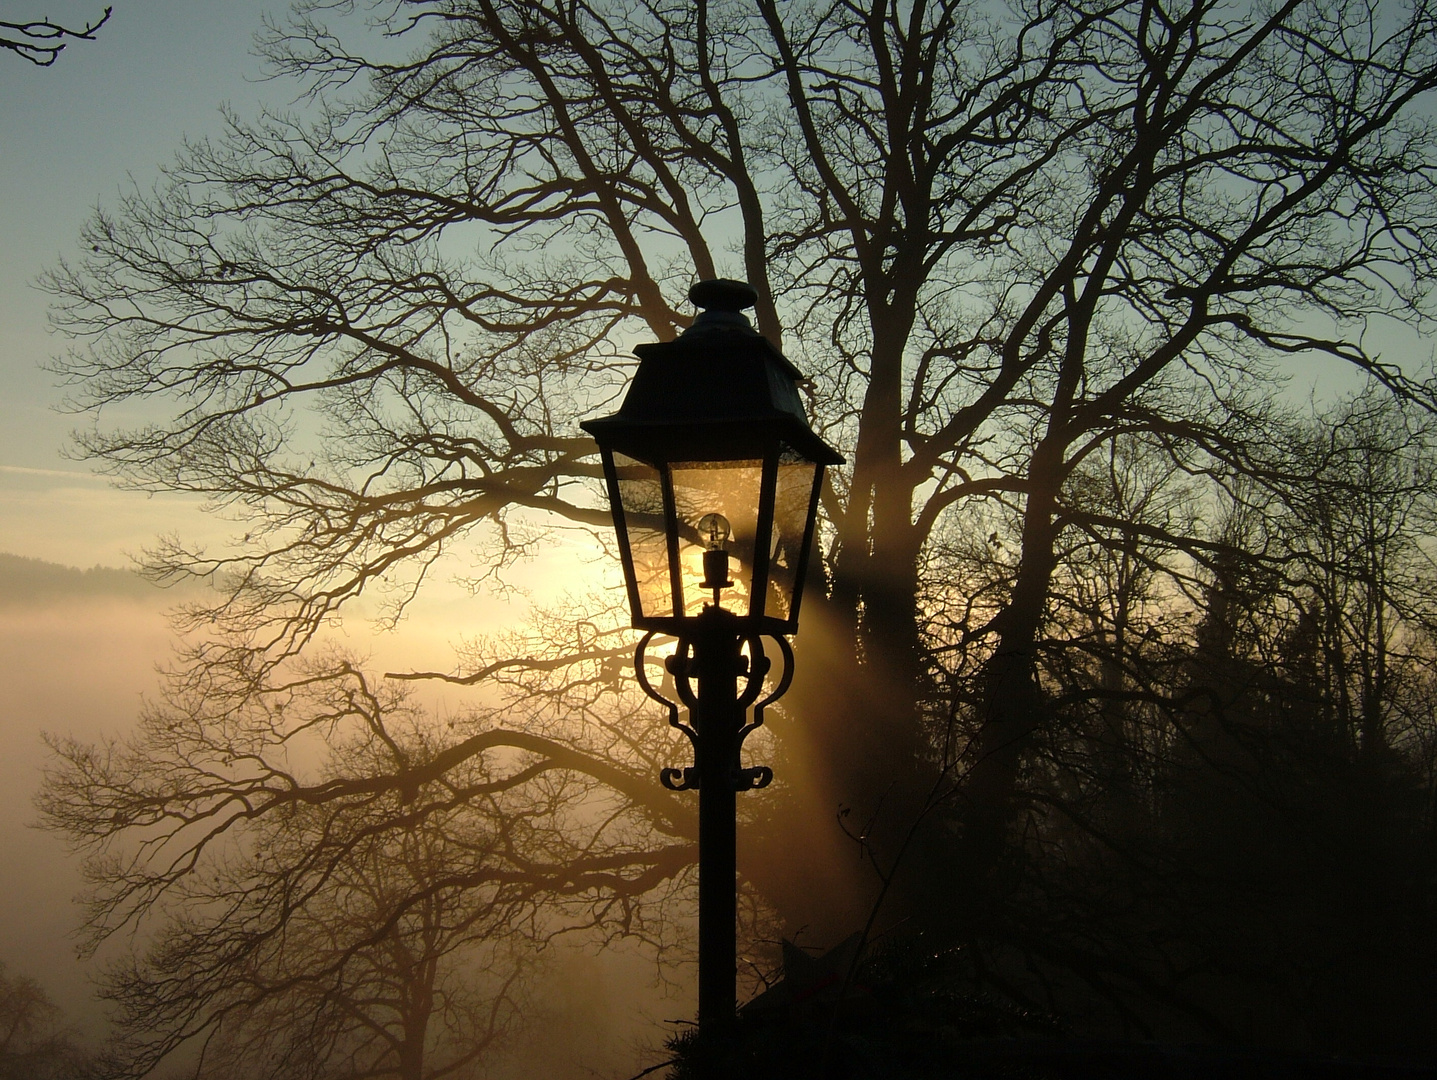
(723,294)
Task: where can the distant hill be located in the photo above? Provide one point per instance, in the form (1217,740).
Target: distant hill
(27,581)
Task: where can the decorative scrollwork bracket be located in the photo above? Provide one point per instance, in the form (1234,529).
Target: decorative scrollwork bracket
(753,669)
(687,778)
(760,776)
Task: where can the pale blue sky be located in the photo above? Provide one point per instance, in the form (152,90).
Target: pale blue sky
(71,135)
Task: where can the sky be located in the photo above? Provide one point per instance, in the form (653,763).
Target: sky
(107,115)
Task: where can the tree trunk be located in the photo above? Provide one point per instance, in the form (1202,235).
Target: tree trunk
(420,993)
(1013,703)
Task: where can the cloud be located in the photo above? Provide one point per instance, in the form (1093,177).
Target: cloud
(64,474)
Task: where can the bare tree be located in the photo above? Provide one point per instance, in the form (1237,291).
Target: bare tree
(41,41)
(33,1044)
(384,972)
(364,914)
(1008,243)
(1370,574)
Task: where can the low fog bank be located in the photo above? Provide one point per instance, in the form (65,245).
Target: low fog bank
(79,652)
(34,581)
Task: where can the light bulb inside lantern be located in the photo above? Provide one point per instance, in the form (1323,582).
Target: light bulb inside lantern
(714,530)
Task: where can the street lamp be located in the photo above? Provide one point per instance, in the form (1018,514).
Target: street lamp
(714,477)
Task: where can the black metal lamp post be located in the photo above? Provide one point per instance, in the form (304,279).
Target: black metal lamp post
(714,477)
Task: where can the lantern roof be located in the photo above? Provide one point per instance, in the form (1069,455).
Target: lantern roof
(719,390)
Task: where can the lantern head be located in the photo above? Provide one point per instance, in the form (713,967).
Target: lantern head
(713,473)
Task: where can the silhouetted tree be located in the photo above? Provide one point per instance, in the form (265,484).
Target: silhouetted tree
(1211,847)
(33,1044)
(329,895)
(389,968)
(1020,249)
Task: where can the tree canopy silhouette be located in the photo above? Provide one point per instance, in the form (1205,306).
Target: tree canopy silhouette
(1048,264)
(326,890)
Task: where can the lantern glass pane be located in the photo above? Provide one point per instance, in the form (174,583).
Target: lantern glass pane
(641,494)
(729,488)
(793,491)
